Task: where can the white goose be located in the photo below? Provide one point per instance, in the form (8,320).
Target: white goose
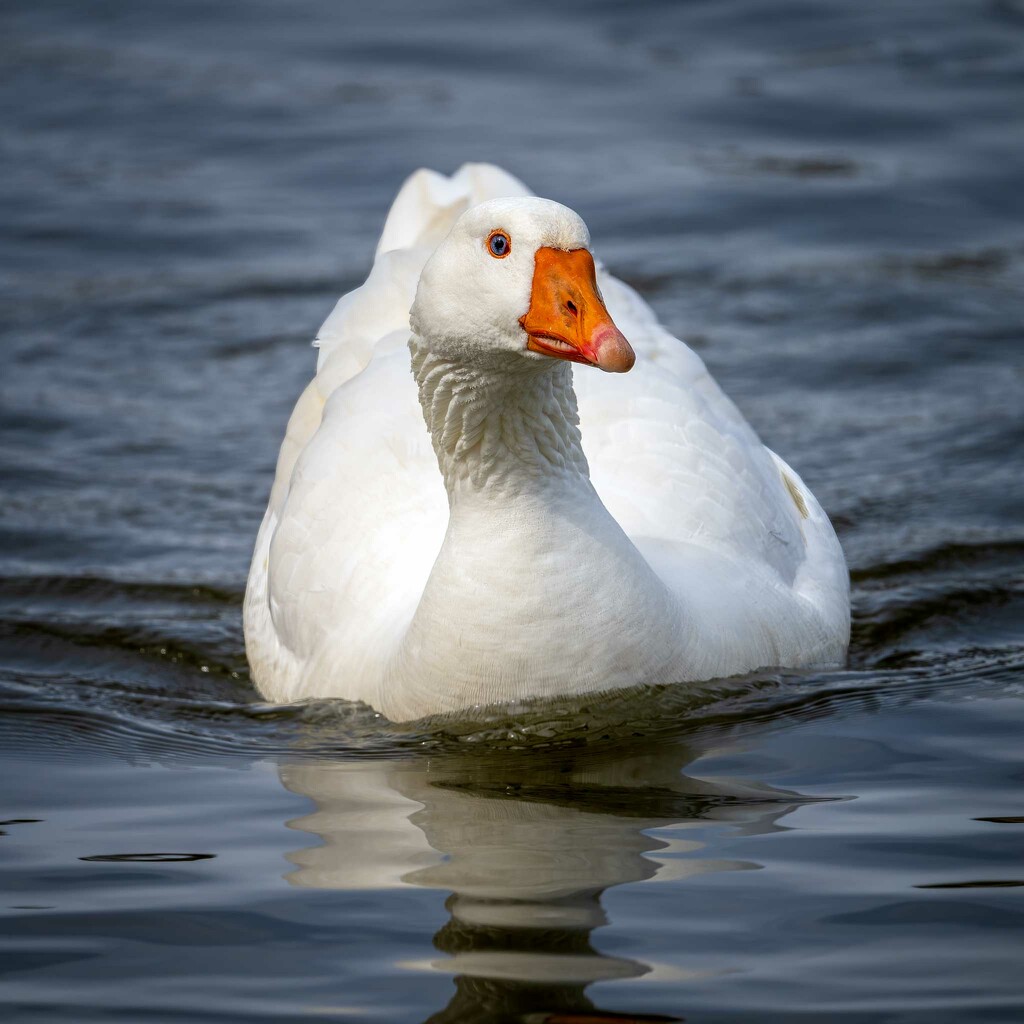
(670,546)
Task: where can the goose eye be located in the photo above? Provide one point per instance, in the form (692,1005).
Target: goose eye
(499,244)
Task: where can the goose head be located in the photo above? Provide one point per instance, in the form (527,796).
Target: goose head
(516,276)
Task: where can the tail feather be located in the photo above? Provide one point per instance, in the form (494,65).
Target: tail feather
(428,204)
(423,212)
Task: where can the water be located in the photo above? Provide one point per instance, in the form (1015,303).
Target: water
(825,199)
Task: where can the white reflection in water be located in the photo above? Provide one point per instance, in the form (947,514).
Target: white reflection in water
(525,843)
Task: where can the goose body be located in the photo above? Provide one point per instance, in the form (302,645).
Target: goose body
(460,518)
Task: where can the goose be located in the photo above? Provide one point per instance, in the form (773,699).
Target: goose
(508,481)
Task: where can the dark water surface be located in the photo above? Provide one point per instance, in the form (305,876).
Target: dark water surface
(826,199)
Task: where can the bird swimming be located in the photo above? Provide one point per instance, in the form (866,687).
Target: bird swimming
(507,480)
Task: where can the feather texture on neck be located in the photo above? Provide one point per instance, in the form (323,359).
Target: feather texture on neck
(500,421)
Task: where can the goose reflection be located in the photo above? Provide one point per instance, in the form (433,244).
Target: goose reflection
(525,844)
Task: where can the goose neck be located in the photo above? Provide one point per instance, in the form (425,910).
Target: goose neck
(502,425)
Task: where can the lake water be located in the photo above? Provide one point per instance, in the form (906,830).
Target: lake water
(826,200)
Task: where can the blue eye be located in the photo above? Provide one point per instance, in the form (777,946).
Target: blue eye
(499,244)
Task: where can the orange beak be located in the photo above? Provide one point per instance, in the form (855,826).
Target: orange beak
(567,319)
